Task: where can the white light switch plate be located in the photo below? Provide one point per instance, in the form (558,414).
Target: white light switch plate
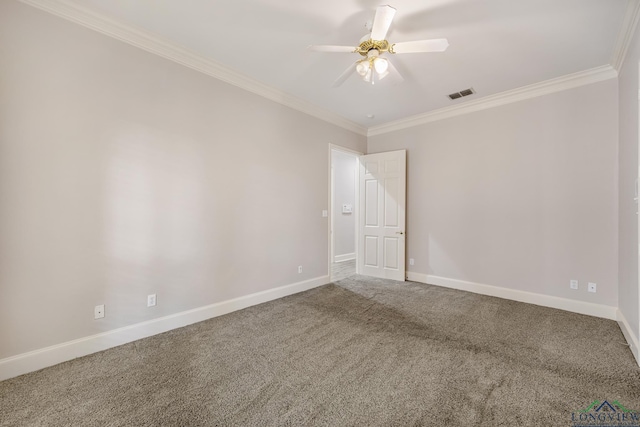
(98,311)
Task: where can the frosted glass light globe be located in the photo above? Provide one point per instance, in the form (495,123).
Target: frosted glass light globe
(381,65)
(362,67)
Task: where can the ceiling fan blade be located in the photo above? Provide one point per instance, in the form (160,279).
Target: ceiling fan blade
(394,74)
(329,48)
(381,22)
(344,76)
(433,45)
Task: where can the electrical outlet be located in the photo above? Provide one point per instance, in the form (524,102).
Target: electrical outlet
(573,284)
(325,213)
(411,261)
(98,312)
(591,287)
(299,269)
(151,300)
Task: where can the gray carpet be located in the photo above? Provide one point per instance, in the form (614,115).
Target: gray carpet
(359,352)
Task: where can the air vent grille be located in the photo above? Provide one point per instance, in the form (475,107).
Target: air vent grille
(462,93)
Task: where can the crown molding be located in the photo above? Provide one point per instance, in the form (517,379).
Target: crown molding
(156,45)
(546,87)
(625,36)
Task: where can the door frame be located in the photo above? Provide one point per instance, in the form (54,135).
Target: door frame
(356,211)
(637,200)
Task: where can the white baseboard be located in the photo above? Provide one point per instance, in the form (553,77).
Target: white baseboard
(591,309)
(49,356)
(632,340)
(345,257)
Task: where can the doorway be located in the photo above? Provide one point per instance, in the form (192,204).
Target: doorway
(343,212)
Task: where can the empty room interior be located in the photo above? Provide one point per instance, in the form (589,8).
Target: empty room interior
(266,212)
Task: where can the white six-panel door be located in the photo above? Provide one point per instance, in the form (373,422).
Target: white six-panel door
(381,237)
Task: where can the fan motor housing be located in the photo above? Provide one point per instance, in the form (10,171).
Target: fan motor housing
(379,45)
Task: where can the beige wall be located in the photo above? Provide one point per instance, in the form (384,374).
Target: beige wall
(629,300)
(521,196)
(124,174)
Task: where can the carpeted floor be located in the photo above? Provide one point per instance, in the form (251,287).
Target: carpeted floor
(359,352)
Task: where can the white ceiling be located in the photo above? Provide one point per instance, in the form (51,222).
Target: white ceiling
(495,45)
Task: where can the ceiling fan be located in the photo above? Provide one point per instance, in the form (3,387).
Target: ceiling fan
(373,67)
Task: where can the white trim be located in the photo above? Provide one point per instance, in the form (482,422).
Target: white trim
(632,340)
(332,217)
(591,309)
(344,257)
(158,46)
(526,92)
(345,150)
(44,357)
(625,36)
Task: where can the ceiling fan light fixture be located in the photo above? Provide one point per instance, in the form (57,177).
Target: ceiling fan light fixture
(381,65)
(373,68)
(368,77)
(363,67)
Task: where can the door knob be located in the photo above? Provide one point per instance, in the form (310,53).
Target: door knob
(399,232)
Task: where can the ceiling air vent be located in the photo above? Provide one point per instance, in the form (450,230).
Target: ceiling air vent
(462,93)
